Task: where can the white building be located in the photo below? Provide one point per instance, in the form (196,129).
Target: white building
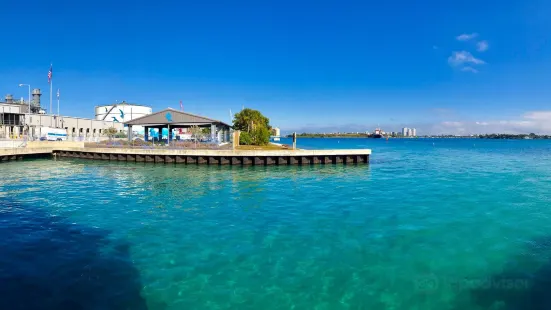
(405,131)
(122,112)
(76,127)
(413,132)
(16,122)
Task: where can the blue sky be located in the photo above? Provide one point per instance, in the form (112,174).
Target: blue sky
(440,66)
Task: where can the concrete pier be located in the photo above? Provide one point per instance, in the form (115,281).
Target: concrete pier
(21,153)
(204,157)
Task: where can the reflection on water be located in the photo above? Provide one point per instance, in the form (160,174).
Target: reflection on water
(50,263)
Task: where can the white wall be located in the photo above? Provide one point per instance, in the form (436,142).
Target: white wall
(76,127)
(129,112)
(13,108)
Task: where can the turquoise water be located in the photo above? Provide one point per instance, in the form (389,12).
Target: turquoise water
(429,224)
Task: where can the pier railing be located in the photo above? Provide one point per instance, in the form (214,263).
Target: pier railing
(172,146)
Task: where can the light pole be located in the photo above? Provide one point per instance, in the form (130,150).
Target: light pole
(21,85)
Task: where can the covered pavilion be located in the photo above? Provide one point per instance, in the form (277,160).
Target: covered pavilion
(173,119)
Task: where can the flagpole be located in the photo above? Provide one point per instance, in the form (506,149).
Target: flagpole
(50,80)
(58,102)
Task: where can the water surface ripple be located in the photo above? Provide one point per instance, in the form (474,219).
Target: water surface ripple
(429,224)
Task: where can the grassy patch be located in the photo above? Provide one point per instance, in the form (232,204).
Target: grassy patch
(269,147)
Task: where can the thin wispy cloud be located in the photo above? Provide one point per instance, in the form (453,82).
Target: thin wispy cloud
(464,58)
(442,110)
(466,36)
(469,69)
(482,46)
(534,121)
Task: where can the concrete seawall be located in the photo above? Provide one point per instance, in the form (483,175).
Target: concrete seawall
(7,154)
(54,144)
(207,157)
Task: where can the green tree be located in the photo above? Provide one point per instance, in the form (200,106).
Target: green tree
(260,136)
(254,127)
(248,119)
(245,138)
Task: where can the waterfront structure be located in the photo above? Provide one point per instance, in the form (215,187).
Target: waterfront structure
(413,132)
(405,132)
(193,157)
(16,121)
(76,127)
(173,119)
(123,112)
(275,134)
(11,116)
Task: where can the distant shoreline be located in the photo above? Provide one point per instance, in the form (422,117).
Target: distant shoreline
(348,137)
(483,137)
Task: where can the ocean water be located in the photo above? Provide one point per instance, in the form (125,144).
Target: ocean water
(429,224)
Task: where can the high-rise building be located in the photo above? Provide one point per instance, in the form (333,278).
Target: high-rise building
(413,132)
(276,132)
(405,131)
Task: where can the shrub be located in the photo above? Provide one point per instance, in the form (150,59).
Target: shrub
(110,132)
(245,138)
(260,136)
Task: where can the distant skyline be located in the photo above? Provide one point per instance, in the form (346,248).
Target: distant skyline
(310,66)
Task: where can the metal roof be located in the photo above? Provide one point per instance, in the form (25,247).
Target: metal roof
(173,117)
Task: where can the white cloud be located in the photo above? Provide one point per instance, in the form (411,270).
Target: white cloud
(538,115)
(482,46)
(466,36)
(469,69)
(538,122)
(535,121)
(464,57)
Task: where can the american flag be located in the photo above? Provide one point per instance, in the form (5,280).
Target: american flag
(181,106)
(58,94)
(50,75)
